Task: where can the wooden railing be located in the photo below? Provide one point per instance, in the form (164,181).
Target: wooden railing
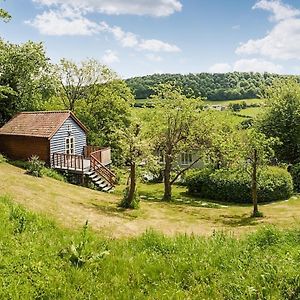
(101,170)
(87,150)
(67,161)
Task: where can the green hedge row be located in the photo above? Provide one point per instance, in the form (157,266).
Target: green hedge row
(235,185)
(295,172)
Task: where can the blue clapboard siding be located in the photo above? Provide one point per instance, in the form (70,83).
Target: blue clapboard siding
(57,142)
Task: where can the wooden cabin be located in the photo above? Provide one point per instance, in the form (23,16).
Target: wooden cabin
(59,139)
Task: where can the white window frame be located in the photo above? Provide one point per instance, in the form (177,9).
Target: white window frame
(186,158)
(70,145)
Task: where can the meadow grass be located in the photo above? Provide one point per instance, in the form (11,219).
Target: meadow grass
(72,205)
(40,260)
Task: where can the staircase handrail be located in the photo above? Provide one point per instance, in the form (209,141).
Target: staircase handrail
(102,170)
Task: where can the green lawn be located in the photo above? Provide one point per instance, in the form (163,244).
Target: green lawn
(227,102)
(41,260)
(72,205)
(251,112)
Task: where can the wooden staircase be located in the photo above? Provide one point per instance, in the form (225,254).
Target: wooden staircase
(100,175)
(99,182)
(91,164)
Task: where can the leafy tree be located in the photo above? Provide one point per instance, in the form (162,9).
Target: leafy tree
(77,81)
(136,149)
(257,151)
(172,119)
(4,15)
(106,111)
(282,119)
(227,86)
(24,78)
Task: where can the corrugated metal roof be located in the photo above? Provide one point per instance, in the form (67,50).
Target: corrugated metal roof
(38,123)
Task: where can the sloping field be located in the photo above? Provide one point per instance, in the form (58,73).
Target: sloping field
(72,205)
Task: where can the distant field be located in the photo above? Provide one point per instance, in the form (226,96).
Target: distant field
(214,102)
(252,111)
(227,102)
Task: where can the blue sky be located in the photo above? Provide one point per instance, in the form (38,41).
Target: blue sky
(137,37)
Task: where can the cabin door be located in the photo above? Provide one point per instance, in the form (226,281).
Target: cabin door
(70,145)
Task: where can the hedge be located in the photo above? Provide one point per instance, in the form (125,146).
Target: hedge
(295,172)
(235,185)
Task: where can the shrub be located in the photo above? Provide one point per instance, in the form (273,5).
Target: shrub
(52,174)
(35,166)
(295,172)
(235,185)
(2,158)
(124,202)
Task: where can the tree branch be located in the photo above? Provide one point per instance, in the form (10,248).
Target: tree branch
(185,169)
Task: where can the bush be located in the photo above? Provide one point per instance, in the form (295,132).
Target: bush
(2,158)
(235,186)
(295,172)
(35,166)
(53,174)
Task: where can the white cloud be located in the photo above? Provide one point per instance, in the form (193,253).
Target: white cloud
(131,40)
(110,57)
(279,10)
(283,41)
(63,22)
(154,58)
(256,65)
(67,21)
(157,8)
(247,65)
(220,68)
(127,39)
(157,46)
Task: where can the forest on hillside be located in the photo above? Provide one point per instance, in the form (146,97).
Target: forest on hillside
(228,86)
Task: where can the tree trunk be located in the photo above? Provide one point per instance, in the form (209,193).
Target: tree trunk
(254,183)
(167,178)
(132,186)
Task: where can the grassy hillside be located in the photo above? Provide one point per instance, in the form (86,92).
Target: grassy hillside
(72,205)
(39,260)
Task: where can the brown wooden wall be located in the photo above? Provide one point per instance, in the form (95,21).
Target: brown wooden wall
(22,147)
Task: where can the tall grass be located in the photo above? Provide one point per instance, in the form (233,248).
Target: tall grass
(39,260)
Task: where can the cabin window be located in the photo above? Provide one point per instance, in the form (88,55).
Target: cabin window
(70,145)
(186,158)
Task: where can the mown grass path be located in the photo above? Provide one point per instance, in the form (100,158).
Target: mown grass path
(72,205)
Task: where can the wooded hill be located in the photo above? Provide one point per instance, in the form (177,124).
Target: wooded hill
(228,86)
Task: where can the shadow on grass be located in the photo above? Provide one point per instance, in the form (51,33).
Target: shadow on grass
(239,220)
(184,198)
(113,210)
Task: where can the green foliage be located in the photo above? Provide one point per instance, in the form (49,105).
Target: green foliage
(25,82)
(4,15)
(282,119)
(295,172)
(132,204)
(237,106)
(76,82)
(235,185)
(257,214)
(44,171)
(35,166)
(78,253)
(263,265)
(2,158)
(52,174)
(107,112)
(229,86)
